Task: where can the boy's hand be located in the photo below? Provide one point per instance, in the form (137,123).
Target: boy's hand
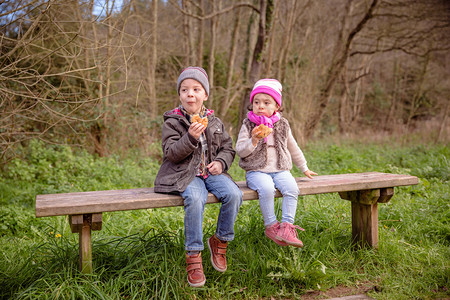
(215,168)
(309,174)
(196,129)
(255,139)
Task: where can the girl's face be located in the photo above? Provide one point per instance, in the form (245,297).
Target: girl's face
(192,95)
(264,105)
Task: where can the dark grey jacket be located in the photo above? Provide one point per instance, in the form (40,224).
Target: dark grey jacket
(182,153)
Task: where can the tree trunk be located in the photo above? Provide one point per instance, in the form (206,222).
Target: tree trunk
(334,72)
(442,128)
(265,25)
(393,97)
(271,43)
(153,61)
(212,49)
(187,25)
(416,99)
(201,36)
(227,100)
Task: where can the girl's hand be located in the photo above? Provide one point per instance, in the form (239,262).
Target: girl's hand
(196,129)
(309,174)
(255,138)
(215,168)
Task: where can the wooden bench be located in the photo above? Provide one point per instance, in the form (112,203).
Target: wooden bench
(364,190)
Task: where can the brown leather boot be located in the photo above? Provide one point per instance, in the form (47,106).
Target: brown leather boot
(218,250)
(194,268)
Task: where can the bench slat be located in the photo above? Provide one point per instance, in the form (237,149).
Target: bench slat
(143,198)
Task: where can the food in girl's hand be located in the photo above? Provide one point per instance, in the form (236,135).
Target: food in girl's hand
(264,131)
(197,118)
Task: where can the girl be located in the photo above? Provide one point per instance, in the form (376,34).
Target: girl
(268,161)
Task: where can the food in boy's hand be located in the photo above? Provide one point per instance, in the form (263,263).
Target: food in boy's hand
(197,118)
(264,131)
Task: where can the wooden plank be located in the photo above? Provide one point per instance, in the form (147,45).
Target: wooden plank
(143,198)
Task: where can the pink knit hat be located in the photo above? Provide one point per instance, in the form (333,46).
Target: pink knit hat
(268,86)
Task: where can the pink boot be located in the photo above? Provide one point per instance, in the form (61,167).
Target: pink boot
(288,234)
(272,231)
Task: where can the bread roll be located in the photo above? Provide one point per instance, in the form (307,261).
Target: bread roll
(264,131)
(197,118)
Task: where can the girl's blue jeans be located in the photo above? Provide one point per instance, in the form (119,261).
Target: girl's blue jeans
(265,184)
(195,197)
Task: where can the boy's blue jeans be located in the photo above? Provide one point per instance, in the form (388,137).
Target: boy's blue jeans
(265,184)
(195,197)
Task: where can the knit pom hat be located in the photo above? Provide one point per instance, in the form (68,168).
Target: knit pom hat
(196,73)
(268,86)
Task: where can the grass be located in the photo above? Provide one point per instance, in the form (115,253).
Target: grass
(139,254)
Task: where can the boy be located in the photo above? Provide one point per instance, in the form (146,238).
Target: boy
(195,160)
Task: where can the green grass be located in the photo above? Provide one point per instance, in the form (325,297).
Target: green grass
(139,254)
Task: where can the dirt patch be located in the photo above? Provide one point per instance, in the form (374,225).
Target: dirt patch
(341,291)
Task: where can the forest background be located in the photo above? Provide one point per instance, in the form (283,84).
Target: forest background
(99,75)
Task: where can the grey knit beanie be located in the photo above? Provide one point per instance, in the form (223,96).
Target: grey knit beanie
(196,73)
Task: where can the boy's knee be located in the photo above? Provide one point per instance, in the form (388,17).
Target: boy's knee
(235,195)
(193,202)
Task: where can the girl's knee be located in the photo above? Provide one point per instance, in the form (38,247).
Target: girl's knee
(266,191)
(291,193)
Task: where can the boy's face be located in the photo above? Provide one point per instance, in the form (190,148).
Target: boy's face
(264,105)
(192,95)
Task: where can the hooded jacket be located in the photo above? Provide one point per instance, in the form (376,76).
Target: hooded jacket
(182,153)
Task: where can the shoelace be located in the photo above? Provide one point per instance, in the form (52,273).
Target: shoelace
(293,227)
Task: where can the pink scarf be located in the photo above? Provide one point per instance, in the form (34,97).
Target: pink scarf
(258,120)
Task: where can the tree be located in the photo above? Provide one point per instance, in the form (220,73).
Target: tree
(42,88)
(102,82)
(266,14)
(340,56)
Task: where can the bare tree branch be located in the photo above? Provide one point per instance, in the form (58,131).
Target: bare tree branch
(214,14)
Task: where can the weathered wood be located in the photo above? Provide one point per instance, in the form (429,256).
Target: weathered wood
(367,197)
(365,214)
(365,224)
(85,209)
(83,225)
(97,221)
(76,222)
(85,245)
(143,198)
(386,195)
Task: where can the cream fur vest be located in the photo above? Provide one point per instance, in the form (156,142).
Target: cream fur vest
(258,159)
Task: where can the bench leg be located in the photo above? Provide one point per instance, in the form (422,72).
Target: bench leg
(85,246)
(83,224)
(365,224)
(365,214)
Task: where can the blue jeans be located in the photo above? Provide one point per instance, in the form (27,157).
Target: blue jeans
(195,197)
(265,184)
